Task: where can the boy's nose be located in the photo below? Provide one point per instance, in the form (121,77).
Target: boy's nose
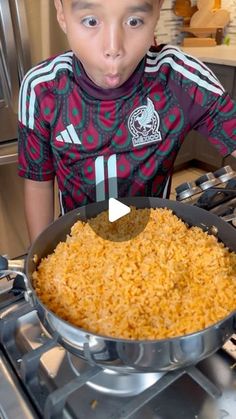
(113,43)
(111,53)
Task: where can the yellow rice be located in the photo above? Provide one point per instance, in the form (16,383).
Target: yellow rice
(168,281)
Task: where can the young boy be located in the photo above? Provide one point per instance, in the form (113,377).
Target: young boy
(108,118)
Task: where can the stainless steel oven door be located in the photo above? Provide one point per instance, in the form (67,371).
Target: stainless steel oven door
(8,119)
(9,74)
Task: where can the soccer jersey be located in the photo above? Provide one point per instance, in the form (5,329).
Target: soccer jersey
(102,143)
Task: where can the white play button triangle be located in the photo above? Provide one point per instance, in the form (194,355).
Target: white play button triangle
(116,210)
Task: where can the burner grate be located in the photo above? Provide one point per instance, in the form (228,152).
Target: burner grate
(51,402)
(169,378)
(230,347)
(56,401)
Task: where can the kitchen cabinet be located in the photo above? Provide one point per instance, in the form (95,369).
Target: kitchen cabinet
(187,151)
(205,152)
(14,240)
(197,148)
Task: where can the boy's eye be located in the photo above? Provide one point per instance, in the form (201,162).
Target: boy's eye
(90,21)
(134,22)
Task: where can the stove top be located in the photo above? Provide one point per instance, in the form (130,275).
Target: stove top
(214,192)
(40,379)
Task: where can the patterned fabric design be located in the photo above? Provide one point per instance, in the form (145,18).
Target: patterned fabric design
(118,146)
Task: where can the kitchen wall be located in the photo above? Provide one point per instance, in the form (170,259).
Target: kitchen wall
(167,30)
(167,27)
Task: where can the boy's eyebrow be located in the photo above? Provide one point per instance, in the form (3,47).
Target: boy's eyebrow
(145,7)
(84,4)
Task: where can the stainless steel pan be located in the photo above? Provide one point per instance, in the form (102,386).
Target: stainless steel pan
(131,355)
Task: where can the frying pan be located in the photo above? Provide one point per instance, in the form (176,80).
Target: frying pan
(123,355)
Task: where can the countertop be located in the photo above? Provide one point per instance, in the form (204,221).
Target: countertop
(220,54)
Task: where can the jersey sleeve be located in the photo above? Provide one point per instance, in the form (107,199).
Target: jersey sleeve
(208,108)
(218,124)
(34,150)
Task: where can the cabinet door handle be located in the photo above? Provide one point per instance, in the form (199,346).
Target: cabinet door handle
(8,158)
(8,57)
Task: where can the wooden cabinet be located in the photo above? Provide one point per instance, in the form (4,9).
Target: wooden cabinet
(196,148)
(205,152)
(187,151)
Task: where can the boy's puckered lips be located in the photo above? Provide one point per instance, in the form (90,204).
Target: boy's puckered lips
(112,80)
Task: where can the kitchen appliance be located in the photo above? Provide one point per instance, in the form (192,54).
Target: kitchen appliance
(29,33)
(41,379)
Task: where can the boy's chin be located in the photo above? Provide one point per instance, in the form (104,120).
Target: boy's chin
(109,84)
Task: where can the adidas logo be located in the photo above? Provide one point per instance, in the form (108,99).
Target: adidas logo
(68,136)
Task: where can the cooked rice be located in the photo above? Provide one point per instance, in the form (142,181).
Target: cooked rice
(168,281)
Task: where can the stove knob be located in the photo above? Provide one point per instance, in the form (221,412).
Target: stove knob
(185,190)
(231,184)
(225,173)
(207,181)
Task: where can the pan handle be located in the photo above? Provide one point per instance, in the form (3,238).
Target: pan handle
(10,267)
(4,272)
(17,268)
(18,288)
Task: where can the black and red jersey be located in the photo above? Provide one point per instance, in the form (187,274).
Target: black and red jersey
(103,143)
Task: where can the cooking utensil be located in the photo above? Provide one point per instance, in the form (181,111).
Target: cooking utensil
(121,354)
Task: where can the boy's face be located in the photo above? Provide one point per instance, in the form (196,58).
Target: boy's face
(110,37)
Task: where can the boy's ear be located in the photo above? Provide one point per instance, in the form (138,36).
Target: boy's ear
(60,14)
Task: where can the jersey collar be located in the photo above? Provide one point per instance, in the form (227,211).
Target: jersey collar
(86,84)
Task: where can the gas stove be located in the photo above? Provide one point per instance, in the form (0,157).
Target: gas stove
(214,192)
(41,379)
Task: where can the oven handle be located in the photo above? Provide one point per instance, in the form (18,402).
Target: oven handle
(8,57)
(4,79)
(19,18)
